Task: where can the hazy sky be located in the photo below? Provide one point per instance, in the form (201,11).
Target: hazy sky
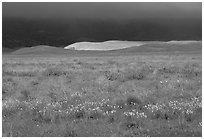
(98,10)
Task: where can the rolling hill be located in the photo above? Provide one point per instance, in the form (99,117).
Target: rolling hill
(138,46)
(7,50)
(40,49)
(110,47)
(170,46)
(104,46)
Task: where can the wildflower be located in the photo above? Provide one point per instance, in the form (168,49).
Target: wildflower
(200,123)
(189,111)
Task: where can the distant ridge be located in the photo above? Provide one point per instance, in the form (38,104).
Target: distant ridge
(91,48)
(117,45)
(104,46)
(170,46)
(6,50)
(40,49)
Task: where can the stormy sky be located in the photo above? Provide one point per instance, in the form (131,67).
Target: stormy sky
(60,24)
(98,10)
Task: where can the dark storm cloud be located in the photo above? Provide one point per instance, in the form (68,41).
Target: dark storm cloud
(60,24)
(103,10)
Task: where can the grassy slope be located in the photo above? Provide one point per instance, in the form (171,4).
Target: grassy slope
(145,95)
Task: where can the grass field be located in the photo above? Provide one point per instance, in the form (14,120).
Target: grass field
(148,95)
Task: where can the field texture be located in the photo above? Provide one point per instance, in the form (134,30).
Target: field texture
(138,95)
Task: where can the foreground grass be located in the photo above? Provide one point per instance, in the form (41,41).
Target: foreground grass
(145,95)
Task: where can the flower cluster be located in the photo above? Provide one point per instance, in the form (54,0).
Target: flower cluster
(76,94)
(187,106)
(154,107)
(8,103)
(103,107)
(135,114)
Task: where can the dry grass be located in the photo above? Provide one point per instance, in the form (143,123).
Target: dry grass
(144,95)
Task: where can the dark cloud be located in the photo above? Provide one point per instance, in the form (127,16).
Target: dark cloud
(119,10)
(80,22)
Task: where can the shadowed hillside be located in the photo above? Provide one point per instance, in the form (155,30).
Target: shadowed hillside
(40,49)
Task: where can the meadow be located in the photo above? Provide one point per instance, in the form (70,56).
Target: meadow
(150,95)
